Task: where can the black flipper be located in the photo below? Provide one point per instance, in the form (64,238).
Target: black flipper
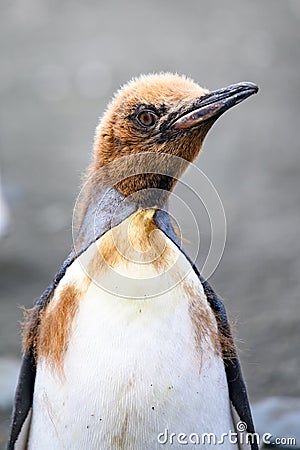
(236,385)
(23,398)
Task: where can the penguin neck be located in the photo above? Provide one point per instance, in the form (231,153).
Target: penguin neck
(108,208)
(135,241)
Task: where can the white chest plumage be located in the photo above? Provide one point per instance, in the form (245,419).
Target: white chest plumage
(133,367)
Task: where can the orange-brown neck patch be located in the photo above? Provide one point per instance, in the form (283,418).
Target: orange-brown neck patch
(135,241)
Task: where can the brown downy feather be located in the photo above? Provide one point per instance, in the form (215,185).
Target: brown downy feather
(47,331)
(205,329)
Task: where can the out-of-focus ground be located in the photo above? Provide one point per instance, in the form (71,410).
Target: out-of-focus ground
(60,64)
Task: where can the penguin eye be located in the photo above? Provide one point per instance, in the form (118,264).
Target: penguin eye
(147,118)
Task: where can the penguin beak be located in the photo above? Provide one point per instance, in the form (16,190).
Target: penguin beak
(212,105)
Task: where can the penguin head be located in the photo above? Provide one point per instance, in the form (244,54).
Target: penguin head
(166,116)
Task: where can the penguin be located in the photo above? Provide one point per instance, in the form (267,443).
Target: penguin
(130,347)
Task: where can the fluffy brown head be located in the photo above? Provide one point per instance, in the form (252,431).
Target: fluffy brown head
(137,119)
(165,115)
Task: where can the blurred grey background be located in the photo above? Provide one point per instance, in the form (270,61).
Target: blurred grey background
(61,60)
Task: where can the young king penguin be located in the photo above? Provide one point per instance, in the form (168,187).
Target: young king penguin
(129,344)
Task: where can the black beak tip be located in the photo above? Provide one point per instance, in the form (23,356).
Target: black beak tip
(240,92)
(246,88)
(248,85)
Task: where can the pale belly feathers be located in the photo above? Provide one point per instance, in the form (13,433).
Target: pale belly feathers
(133,367)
